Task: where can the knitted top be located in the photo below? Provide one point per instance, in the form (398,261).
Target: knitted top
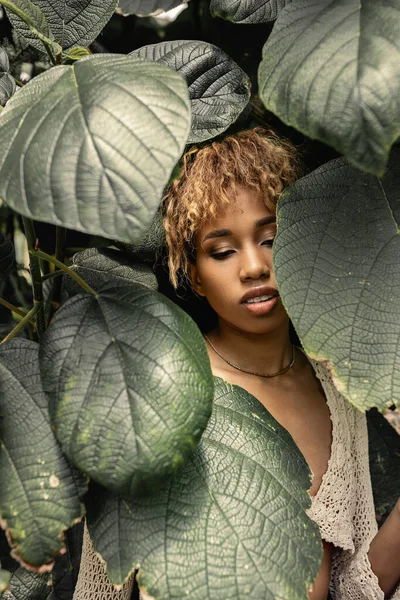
(343,509)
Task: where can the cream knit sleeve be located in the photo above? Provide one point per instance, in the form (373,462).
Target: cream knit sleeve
(93,583)
(352,576)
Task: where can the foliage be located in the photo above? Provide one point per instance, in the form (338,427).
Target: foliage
(101,376)
(331,69)
(238,501)
(352,216)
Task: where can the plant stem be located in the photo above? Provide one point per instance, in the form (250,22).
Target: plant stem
(61,236)
(50,53)
(19,83)
(52,274)
(18,311)
(27,319)
(70,272)
(36,275)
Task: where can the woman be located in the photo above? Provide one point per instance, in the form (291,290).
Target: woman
(220,224)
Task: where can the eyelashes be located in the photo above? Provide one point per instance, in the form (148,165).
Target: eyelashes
(226,253)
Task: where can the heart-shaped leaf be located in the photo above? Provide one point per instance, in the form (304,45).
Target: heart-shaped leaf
(27,17)
(384,461)
(153,244)
(110,130)
(336,259)
(232,524)
(7,256)
(332,70)
(73,22)
(146,7)
(129,384)
(247,11)
(97,266)
(38,494)
(218,88)
(7,82)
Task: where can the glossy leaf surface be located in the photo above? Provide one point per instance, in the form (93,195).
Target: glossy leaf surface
(110,130)
(218,88)
(73,22)
(337,263)
(146,7)
(247,11)
(331,69)
(235,513)
(97,266)
(129,385)
(38,494)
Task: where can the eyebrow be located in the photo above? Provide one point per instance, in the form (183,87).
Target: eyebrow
(217,233)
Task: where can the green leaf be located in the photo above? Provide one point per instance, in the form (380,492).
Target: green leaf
(336,259)
(154,243)
(25,585)
(5,577)
(38,494)
(247,11)
(218,88)
(77,53)
(110,129)
(230,525)
(73,22)
(97,266)
(384,461)
(331,69)
(7,82)
(28,17)
(146,7)
(129,385)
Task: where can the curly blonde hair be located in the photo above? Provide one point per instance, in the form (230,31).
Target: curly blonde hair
(255,158)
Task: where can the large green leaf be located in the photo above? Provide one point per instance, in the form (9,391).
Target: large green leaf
(146,7)
(384,461)
(7,82)
(337,263)
(25,585)
(332,70)
(230,525)
(38,494)
(218,88)
(73,22)
(91,146)
(247,11)
(129,383)
(96,266)
(28,16)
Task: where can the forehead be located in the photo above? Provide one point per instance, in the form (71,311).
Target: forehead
(247,207)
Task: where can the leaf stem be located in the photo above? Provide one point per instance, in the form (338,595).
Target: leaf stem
(60,265)
(27,319)
(52,274)
(50,53)
(61,237)
(36,274)
(18,311)
(19,83)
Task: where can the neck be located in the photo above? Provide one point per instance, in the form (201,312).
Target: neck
(269,352)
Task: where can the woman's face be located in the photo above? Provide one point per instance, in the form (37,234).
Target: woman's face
(233,267)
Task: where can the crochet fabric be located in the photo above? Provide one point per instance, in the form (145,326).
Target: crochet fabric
(343,509)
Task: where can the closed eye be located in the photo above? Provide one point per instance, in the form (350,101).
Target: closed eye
(268,242)
(222,255)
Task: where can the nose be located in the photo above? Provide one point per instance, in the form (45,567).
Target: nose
(254,264)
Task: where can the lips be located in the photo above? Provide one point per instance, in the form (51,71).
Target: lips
(257,293)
